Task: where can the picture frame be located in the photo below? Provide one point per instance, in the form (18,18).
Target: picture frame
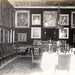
(73,38)
(49,19)
(36,32)
(22,37)
(64,33)
(64,19)
(73,19)
(36,19)
(22,19)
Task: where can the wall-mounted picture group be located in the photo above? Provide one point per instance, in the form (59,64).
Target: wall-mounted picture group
(48,19)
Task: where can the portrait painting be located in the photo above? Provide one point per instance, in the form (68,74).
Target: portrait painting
(36,19)
(73,19)
(22,37)
(64,19)
(22,19)
(64,33)
(49,19)
(36,32)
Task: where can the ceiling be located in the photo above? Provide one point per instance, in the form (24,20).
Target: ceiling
(24,3)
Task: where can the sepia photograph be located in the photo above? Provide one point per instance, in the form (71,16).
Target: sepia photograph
(37,37)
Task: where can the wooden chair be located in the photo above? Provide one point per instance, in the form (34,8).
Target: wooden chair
(63,62)
(35,58)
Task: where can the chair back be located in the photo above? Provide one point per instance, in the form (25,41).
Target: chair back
(64,61)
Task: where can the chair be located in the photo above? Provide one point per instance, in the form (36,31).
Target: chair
(63,62)
(28,51)
(35,58)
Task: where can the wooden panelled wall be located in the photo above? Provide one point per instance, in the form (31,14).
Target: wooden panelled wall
(52,33)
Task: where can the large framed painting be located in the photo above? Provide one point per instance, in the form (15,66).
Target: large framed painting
(36,19)
(49,19)
(22,19)
(64,33)
(73,38)
(73,19)
(64,19)
(22,37)
(36,32)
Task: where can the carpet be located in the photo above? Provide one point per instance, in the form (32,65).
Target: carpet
(20,66)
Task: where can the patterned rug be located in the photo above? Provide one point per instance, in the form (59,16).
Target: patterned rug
(20,66)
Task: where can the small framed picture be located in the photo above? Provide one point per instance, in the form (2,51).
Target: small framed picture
(22,19)
(64,19)
(73,19)
(64,33)
(73,38)
(49,19)
(22,37)
(36,32)
(36,19)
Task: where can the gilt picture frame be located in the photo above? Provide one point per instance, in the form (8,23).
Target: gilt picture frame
(22,19)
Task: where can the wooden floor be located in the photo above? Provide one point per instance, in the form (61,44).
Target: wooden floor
(23,66)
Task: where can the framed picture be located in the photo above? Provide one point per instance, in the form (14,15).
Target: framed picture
(49,19)
(22,19)
(73,19)
(73,38)
(64,33)
(64,19)
(36,19)
(36,32)
(22,37)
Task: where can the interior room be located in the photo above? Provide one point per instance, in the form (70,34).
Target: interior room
(37,37)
